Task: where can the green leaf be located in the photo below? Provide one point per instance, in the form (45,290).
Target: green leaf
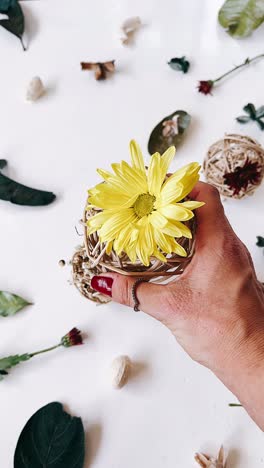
(10,304)
(21,195)
(11,361)
(260,124)
(3,163)
(260,241)
(159,142)
(241,17)
(260,112)
(51,439)
(180,64)
(15,22)
(243,119)
(250,110)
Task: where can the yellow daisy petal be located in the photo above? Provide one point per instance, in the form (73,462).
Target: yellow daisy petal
(154,175)
(115,224)
(104,174)
(166,160)
(157,220)
(159,256)
(176,212)
(136,156)
(172,229)
(162,241)
(109,246)
(192,205)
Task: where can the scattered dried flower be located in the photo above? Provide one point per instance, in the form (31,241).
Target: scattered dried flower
(128,28)
(72,338)
(100,68)
(205,87)
(62,263)
(253,114)
(171,127)
(249,173)
(206,462)
(35,89)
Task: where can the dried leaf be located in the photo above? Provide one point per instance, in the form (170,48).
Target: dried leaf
(165,133)
(11,361)
(260,241)
(10,304)
(15,22)
(20,194)
(100,68)
(180,64)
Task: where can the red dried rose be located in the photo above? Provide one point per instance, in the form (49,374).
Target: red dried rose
(205,87)
(72,338)
(249,173)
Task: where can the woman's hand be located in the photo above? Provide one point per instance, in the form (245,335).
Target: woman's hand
(216,309)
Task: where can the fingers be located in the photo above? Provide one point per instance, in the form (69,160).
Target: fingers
(154,299)
(211,220)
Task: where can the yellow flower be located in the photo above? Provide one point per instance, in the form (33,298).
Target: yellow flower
(141,213)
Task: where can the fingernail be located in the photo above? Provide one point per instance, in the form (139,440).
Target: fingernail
(102,284)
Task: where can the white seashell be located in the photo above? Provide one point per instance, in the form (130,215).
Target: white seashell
(120,370)
(128,27)
(35,89)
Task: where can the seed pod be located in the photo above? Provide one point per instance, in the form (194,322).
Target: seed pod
(35,89)
(120,370)
(128,28)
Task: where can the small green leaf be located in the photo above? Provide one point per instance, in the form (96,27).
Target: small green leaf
(160,142)
(250,110)
(180,64)
(10,304)
(11,361)
(260,124)
(51,439)
(243,119)
(21,195)
(241,17)
(15,22)
(260,241)
(260,112)
(3,163)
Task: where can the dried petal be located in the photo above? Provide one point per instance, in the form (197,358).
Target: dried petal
(35,89)
(100,68)
(128,28)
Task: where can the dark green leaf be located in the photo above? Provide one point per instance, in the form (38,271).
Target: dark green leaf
(51,439)
(250,110)
(10,304)
(260,241)
(180,64)
(11,361)
(3,163)
(159,142)
(21,195)
(260,124)
(243,119)
(15,22)
(241,17)
(260,112)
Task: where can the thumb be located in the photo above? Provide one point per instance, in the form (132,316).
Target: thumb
(154,299)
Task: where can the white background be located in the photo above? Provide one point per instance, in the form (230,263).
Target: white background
(172,407)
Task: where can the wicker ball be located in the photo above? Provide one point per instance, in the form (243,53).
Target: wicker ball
(91,259)
(229,156)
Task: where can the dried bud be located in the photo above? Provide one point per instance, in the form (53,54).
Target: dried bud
(35,89)
(100,68)
(205,87)
(72,338)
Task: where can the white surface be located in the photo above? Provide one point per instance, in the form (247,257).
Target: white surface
(173,407)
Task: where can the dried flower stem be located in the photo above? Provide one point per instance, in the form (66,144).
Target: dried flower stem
(248,61)
(45,350)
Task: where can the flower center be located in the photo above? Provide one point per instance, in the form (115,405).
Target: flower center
(144,204)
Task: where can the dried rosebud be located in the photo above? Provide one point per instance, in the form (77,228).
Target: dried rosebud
(205,87)
(249,173)
(72,338)
(171,127)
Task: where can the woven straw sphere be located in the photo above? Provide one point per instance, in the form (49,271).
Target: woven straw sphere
(226,155)
(91,259)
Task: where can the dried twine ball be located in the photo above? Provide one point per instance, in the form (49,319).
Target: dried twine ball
(91,259)
(228,154)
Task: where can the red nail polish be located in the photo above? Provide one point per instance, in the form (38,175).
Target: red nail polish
(102,284)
